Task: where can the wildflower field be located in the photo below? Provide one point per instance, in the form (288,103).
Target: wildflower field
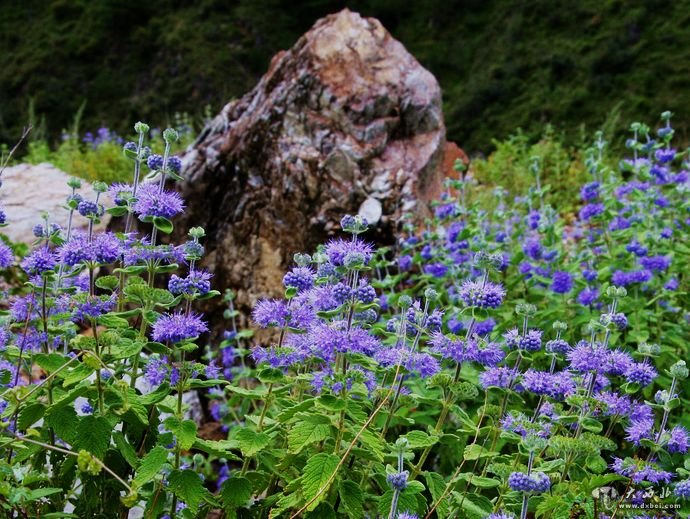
(513,355)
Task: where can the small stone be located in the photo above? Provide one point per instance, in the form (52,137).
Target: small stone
(372,210)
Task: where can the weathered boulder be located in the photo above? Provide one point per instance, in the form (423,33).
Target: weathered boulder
(30,190)
(346,121)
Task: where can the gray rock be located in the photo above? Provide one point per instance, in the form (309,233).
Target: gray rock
(30,190)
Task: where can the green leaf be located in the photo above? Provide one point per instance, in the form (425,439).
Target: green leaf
(316,475)
(332,402)
(475,451)
(252,442)
(271,375)
(184,431)
(111,321)
(187,486)
(476,506)
(63,420)
(437,487)
(288,413)
(93,435)
(30,415)
(235,492)
(163,224)
(407,502)
(125,449)
(351,499)
(117,211)
(76,374)
(151,465)
(107,282)
(38,493)
(51,361)
(156,396)
(592,425)
(311,429)
(420,440)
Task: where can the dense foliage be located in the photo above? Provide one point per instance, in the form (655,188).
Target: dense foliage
(501,65)
(493,363)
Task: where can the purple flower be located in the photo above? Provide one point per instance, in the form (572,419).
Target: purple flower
(301,278)
(88,208)
(339,249)
(655,263)
(153,202)
(590,191)
(76,250)
(107,247)
(178,327)
(407,515)
(197,282)
(678,441)
(120,193)
(405,263)
(557,346)
(562,282)
(482,295)
(556,385)
(398,480)
(588,296)
(497,377)
(682,489)
(587,357)
(438,270)
(156,371)
(533,249)
(536,482)
(622,278)
(589,211)
(615,404)
(665,155)
(484,327)
(39,261)
(639,429)
(6,255)
(642,373)
(531,341)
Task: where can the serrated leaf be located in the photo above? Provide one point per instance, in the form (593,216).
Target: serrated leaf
(151,465)
(288,413)
(407,502)
(187,486)
(38,493)
(93,435)
(316,475)
(125,449)
(235,492)
(420,439)
(76,375)
(184,431)
(437,487)
(311,429)
(156,396)
(475,451)
(63,420)
(51,361)
(351,499)
(30,414)
(252,442)
(107,282)
(476,506)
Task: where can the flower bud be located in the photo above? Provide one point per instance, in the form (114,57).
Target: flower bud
(679,370)
(170,135)
(430,294)
(405,301)
(140,127)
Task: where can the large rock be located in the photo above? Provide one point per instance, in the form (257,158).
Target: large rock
(29,190)
(346,121)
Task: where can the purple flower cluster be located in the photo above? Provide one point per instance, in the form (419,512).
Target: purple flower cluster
(536,482)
